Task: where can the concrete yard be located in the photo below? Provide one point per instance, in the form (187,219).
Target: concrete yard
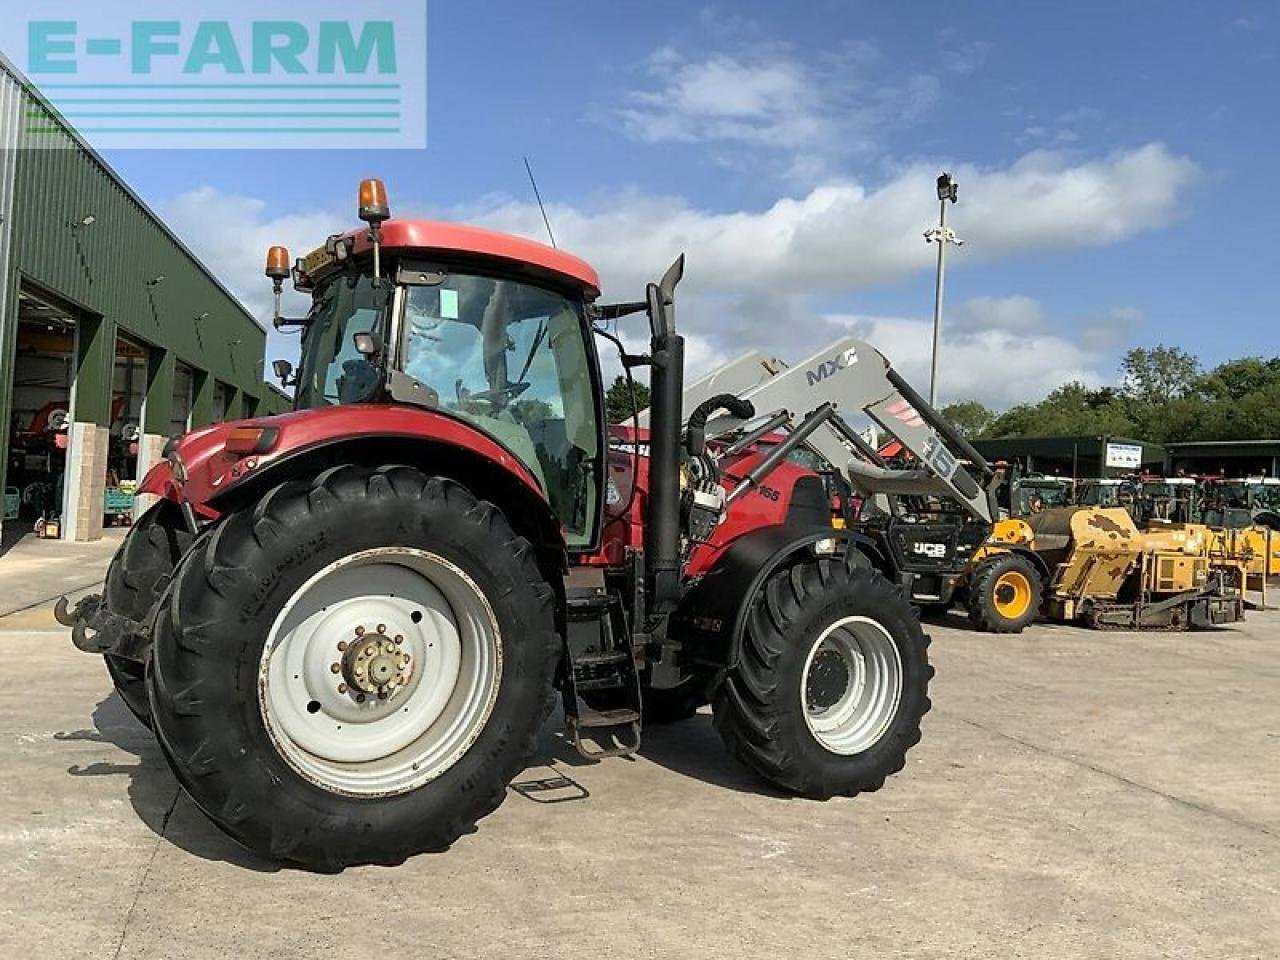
(1076,794)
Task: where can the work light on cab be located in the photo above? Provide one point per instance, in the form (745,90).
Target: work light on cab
(374,210)
(277,270)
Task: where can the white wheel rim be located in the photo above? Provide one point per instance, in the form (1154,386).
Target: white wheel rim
(852,685)
(353,742)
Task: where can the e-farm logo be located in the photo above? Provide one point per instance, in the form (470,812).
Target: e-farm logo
(343,75)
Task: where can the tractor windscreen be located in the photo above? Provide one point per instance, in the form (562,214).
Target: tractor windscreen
(332,370)
(511,359)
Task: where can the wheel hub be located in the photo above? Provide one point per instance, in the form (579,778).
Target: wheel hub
(375,664)
(380,671)
(829,678)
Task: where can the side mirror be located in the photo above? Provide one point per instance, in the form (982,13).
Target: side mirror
(282,369)
(368,344)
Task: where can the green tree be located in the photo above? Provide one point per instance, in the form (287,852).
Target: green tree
(617,400)
(1073,409)
(969,417)
(1158,374)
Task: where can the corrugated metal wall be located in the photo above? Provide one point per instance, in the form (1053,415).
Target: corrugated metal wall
(108,270)
(11,98)
(111,268)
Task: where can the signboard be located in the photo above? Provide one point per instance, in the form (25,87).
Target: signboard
(1126,456)
(330,74)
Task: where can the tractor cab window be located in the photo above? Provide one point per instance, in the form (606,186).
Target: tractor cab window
(511,359)
(332,371)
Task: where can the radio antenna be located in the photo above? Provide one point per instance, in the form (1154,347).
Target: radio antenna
(534,183)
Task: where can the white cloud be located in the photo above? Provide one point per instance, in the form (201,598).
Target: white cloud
(966,57)
(754,276)
(231,234)
(807,108)
(843,237)
(998,367)
(1014,314)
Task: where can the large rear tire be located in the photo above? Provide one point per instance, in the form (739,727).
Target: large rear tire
(352,671)
(831,683)
(1005,593)
(136,579)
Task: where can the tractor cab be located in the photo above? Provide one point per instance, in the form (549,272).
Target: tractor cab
(455,324)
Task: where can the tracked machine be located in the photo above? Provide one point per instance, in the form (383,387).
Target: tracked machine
(347,624)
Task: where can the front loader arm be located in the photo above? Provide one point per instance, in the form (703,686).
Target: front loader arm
(852,375)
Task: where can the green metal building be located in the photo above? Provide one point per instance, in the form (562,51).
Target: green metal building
(113,336)
(1079,458)
(1229,458)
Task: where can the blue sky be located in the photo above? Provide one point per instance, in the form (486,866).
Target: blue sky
(1115,163)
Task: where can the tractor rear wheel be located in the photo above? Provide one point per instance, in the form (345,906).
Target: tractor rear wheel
(831,683)
(354,669)
(1004,594)
(137,577)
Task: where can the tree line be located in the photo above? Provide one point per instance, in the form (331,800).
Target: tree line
(1164,396)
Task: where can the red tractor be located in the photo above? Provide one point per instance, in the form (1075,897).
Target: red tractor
(346,624)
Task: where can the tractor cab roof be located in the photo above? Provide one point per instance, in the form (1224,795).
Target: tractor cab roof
(434,236)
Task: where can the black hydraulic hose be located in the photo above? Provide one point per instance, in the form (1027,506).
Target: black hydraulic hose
(696,432)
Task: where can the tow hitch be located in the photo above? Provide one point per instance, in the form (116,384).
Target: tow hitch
(95,629)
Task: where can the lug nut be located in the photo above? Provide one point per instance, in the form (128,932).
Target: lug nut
(342,688)
(359,698)
(359,631)
(399,638)
(335,668)
(342,645)
(382,628)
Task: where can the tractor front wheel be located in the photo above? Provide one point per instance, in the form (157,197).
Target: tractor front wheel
(831,683)
(353,670)
(1004,594)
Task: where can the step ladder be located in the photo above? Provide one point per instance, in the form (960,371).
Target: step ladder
(599,660)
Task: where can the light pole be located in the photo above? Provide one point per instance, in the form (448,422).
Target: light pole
(942,235)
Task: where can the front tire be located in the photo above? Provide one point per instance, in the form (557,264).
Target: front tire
(1005,593)
(831,683)
(381,579)
(136,579)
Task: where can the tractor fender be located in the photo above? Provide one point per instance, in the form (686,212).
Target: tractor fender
(498,480)
(1022,550)
(713,613)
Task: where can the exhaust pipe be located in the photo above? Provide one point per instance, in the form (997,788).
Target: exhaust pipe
(666,385)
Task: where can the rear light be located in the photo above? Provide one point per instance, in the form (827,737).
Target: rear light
(251,439)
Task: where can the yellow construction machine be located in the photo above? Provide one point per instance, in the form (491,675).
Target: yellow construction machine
(1107,573)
